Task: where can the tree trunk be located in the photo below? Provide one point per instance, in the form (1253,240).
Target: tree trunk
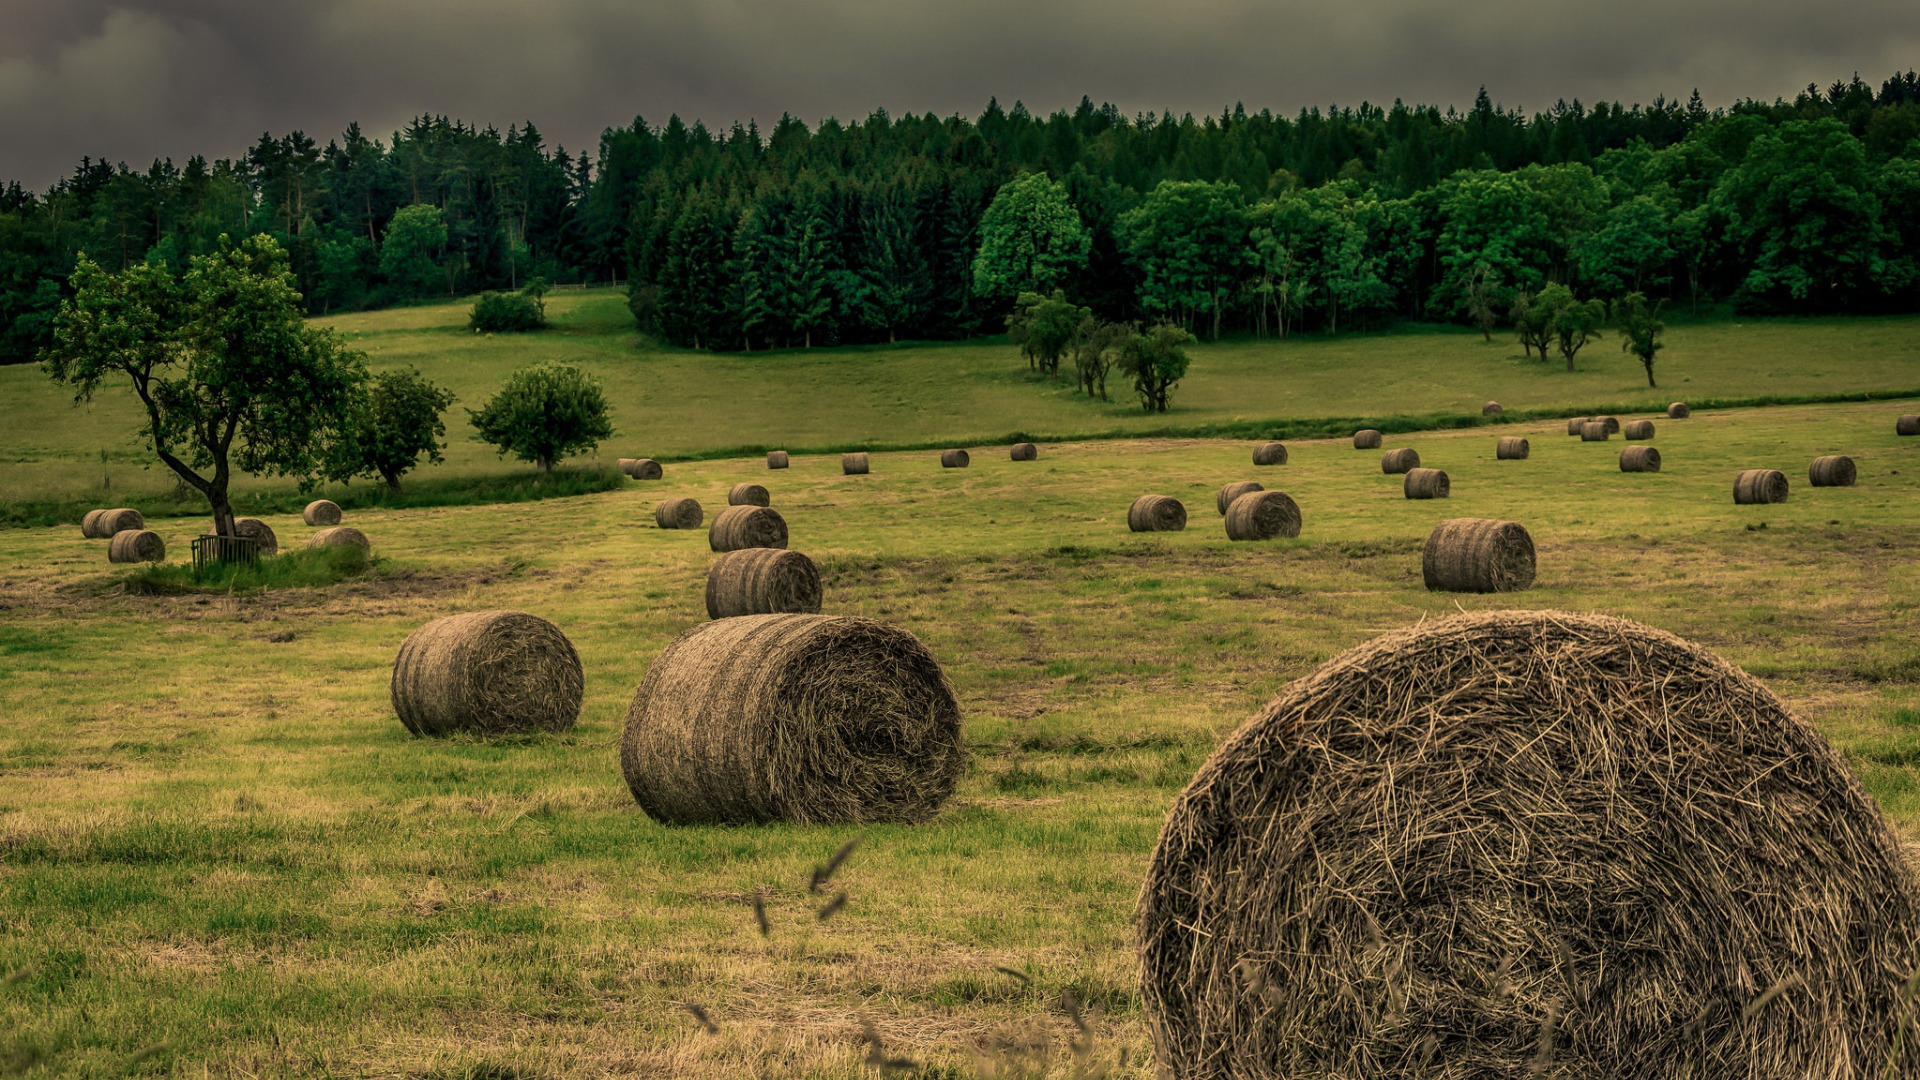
(222,514)
(1649,365)
(546,464)
(393,480)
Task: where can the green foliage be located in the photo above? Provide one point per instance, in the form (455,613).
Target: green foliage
(1097,351)
(544,413)
(1031,239)
(299,568)
(1640,329)
(1190,242)
(410,255)
(506,313)
(398,420)
(1575,321)
(1157,360)
(1533,321)
(1045,327)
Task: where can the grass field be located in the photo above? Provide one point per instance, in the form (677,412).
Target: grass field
(221,854)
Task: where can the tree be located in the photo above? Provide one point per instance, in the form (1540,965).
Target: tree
(1482,293)
(1190,241)
(1097,351)
(1031,239)
(1533,320)
(416,237)
(399,419)
(1157,360)
(1574,321)
(1628,251)
(501,313)
(1640,327)
(1046,327)
(229,373)
(544,413)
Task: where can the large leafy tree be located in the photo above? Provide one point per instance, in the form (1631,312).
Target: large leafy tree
(1190,240)
(1157,360)
(399,420)
(544,413)
(410,254)
(1046,327)
(229,373)
(1491,220)
(1031,239)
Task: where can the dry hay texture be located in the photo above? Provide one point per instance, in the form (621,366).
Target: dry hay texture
(1024,451)
(762,581)
(776,459)
(1156,513)
(678,514)
(259,532)
(1366,439)
(1399,461)
(1594,431)
(1478,555)
(1427,484)
(1272,453)
(1528,844)
(1755,486)
(487,673)
(642,468)
(1230,492)
(1833,470)
(739,527)
(321,513)
(340,536)
(749,495)
(1637,430)
(1640,459)
(955,459)
(854,464)
(1512,448)
(808,719)
(106,524)
(1907,425)
(1612,422)
(136,545)
(1263,515)
(1678,411)
(1576,425)
(1491,408)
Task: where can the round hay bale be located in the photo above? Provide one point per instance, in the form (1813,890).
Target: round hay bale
(1366,439)
(762,581)
(340,536)
(1612,422)
(1678,411)
(1594,431)
(1576,425)
(1427,484)
(1490,408)
(1638,430)
(1833,470)
(1272,453)
(642,468)
(678,514)
(853,464)
(1232,491)
(136,545)
(487,673)
(776,459)
(1512,448)
(808,719)
(955,459)
(1756,486)
(1156,513)
(739,527)
(259,532)
(1640,459)
(1478,555)
(88,527)
(749,495)
(321,513)
(1263,515)
(108,524)
(1399,461)
(1025,451)
(1449,842)
(1907,425)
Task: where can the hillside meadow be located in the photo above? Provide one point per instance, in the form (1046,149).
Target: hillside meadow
(221,854)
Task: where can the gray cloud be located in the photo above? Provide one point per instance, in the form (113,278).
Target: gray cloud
(130,80)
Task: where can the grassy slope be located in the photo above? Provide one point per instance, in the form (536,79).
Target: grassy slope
(674,403)
(231,847)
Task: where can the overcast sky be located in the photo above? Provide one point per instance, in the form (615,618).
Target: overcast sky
(131,80)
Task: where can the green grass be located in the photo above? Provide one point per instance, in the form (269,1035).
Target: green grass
(303,568)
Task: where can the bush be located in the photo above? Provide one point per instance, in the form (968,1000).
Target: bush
(544,413)
(506,313)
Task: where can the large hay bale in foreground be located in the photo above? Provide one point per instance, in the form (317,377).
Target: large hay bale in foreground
(762,581)
(136,545)
(1491,408)
(1263,515)
(1426,484)
(1024,451)
(809,719)
(1478,555)
(1230,492)
(853,464)
(1756,486)
(1637,430)
(1156,513)
(955,459)
(487,673)
(340,536)
(259,532)
(107,524)
(749,495)
(1640,459)
(1399,461)
(1512,448)
(1678,411)
(1833,470)
(1366,439)
(678,514)
(776,459)
(1907,425)
(321,513)
(1594,431)
(1512,844)
(642,468)
(740,527)
(1272,453)
(1576,425)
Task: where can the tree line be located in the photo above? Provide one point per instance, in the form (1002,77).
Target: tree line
(926,227)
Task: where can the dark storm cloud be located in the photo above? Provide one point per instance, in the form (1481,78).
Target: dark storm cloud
(132,80)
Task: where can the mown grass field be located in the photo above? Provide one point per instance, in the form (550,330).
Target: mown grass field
(222,855)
